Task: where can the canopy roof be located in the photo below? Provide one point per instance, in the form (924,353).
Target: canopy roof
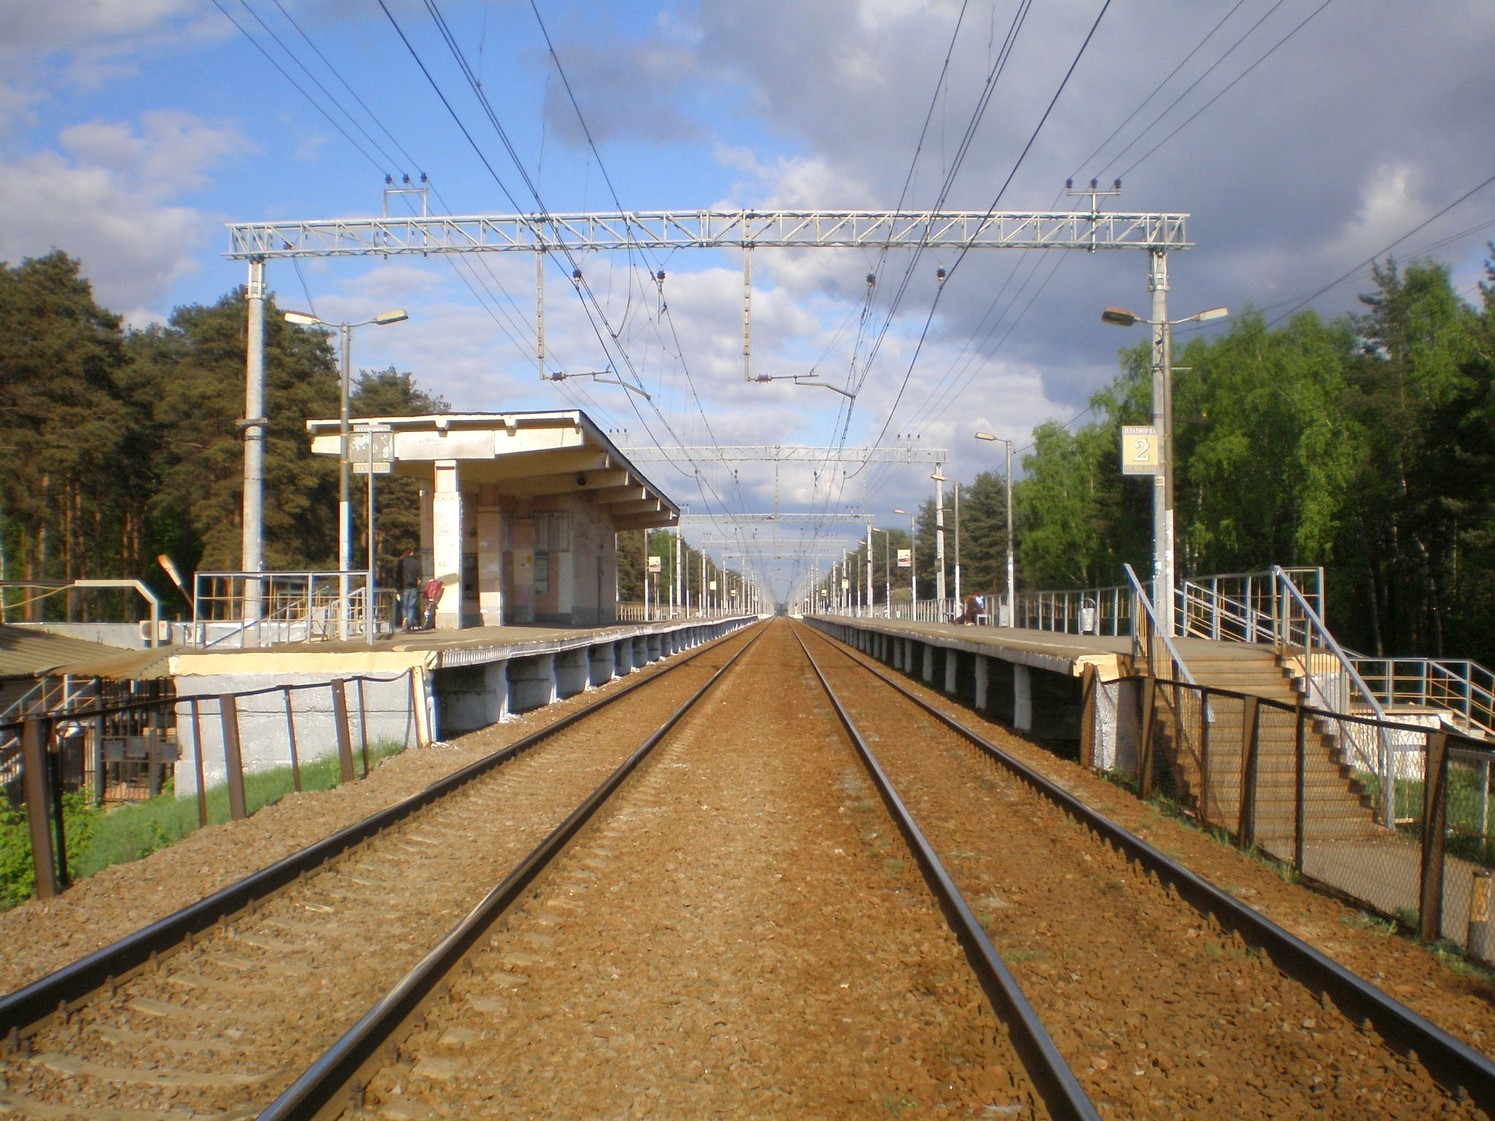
(526,455)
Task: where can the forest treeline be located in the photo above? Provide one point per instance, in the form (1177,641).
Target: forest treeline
(122,445)
(1363,443)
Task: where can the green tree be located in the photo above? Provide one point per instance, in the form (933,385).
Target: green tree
(1265,448)
(189,376)
(69,500)
(1420,378)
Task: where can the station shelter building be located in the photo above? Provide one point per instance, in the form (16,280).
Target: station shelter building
(519,512)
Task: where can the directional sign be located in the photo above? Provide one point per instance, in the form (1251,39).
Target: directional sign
(371,449)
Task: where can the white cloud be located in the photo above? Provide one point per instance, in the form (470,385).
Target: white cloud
(111,205)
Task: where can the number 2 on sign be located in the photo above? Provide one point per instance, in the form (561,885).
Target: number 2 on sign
(1139,450)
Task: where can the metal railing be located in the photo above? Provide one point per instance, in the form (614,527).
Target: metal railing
(633,612)
(1172,698)
(248,609)
(1330,680)
(1098,610)
(1463,689)
(1243,606)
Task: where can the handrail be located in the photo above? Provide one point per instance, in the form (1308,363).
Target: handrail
(295,598)
(1459,686)
(1145,627)
(1313,627)
(1067,611)
(1240,606)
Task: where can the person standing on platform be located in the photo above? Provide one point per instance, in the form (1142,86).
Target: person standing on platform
(407,579)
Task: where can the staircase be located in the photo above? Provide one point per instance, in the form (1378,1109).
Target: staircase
(1206,771)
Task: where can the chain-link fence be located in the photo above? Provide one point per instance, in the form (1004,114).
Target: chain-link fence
(1394,815)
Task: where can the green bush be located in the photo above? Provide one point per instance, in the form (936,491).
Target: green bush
(17,870)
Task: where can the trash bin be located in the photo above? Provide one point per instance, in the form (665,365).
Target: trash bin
(1087,617)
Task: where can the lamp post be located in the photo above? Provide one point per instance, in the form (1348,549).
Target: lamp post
(957,546)
(913,588)
(1011,574)
(1162,422)
(344,507)
(939,534)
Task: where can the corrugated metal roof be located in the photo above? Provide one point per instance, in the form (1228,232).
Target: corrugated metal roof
(28,652)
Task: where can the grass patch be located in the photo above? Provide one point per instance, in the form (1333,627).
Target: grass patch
(99,838)
(1470,835)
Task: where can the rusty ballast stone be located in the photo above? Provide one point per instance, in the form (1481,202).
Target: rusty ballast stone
(335,1078)
(1451,1061)
(26,1008)
(1053,1080)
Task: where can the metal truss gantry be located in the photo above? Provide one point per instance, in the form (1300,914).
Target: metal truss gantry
(706,229)
(545,233)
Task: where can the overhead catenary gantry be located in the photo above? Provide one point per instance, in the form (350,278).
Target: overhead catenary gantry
(427,235)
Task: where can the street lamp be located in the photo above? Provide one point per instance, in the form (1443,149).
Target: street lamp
(1162,422)
(913,588)
(344,509)
(939,535)
(1011,576)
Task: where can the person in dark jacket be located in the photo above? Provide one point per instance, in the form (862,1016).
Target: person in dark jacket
(407,580)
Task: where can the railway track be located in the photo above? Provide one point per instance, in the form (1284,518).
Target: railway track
(742,915)
(159,1024)
(1226,1014)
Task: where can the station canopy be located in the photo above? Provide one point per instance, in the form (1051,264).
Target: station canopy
(528,455)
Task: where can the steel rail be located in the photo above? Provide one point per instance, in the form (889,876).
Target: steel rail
(1052,1077)
(326,1087)
(1448,1059)
(26,1008)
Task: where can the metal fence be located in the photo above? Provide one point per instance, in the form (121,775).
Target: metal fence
(1305,785)
(249,609)
(312,721)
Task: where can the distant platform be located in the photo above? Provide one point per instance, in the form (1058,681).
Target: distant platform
(1046,650)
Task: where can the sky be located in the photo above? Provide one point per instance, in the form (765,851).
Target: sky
(1304,138)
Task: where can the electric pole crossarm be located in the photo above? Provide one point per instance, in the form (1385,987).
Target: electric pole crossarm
(707,229)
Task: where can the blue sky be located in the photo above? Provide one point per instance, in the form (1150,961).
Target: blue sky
(1302,137)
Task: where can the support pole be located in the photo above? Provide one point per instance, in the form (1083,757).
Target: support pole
(1162,419)
(254,441)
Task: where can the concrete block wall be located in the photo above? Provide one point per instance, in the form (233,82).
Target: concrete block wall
(382,709)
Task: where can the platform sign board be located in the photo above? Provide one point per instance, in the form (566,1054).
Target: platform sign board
(654,563)
(371,450)
(905,558)
(1141,451)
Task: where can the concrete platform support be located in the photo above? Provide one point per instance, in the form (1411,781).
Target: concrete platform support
(983,671)
(926,672)
(623,657)
(1116,728)
(601,663)
(446,543)
(531,682)
(572,672)
(472,697)
(952,666)
(1022,698)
